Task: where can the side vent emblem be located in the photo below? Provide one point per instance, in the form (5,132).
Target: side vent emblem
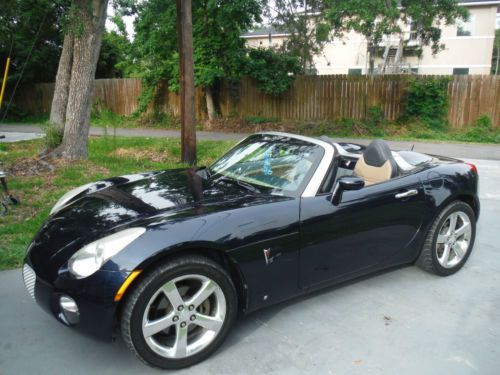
(267,256)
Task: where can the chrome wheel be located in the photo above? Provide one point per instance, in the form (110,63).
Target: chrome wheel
(184,316)
(453,240)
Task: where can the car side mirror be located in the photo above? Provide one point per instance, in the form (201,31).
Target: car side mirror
(346,183)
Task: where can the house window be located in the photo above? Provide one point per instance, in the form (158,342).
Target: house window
(354,72)
(414,70)
(460,71)
(465,28)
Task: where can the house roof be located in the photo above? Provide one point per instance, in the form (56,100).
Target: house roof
(263,32)
(478,2)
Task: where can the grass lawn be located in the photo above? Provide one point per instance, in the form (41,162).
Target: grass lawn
(38,188)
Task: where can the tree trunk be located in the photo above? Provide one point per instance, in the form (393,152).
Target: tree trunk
(498,55)
(209,96)
(86,49)
(63,77)
(186,79)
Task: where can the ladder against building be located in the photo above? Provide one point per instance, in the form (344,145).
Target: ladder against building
(393,59)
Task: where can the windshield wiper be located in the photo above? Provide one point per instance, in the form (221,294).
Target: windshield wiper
(238,182)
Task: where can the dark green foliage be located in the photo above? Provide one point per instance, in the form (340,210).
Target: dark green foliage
(53,136)
(482,131)
(273,71)
(373,19)
(376,18)
(307,34)
(219,52)
(375,120)
(20,22)
(427,100)
(14,112)
(260,119)
(495,60)
(115,59)
(483,124)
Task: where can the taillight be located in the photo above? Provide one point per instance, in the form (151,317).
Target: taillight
(472,167)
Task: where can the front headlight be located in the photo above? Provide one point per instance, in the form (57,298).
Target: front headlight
(68,196)
(91,257)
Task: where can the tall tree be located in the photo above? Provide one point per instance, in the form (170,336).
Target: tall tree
(495,63)
(115,60)
(218,48)
(82,45)
(375,18)
(311,23)
(30,30)
(61,88)
(303,21)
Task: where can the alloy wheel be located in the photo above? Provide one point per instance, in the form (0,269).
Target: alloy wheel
(453,240)
(184,316)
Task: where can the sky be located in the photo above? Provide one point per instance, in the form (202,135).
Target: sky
(129,22)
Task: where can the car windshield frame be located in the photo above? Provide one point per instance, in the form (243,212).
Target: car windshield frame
(321,152)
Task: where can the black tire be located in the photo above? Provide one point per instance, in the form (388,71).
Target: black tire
(136,302)
(428,259)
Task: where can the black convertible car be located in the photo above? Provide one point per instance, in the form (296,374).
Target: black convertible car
(169,258)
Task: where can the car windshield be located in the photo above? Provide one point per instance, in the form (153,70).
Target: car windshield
(279,164)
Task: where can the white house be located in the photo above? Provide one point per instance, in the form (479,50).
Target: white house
(468,47)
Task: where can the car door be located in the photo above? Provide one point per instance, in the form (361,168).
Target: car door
(368,228)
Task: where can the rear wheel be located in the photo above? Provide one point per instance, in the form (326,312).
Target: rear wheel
(179,313)
(450,240)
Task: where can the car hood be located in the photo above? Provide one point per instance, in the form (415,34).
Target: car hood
(125,201)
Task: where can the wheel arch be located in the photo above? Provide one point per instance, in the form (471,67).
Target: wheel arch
(216,254)
(469,199)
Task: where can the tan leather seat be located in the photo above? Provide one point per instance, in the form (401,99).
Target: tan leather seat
(377,163)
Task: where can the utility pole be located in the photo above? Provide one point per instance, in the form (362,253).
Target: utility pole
(186,79)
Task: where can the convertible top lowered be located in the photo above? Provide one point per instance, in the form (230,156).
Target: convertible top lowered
(169,257)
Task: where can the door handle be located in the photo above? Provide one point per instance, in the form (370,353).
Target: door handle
(406,194)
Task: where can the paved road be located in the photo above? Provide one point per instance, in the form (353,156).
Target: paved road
(400,322)
(9,137)
(473,151)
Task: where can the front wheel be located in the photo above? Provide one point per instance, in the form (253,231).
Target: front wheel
(179,313)
(450,240)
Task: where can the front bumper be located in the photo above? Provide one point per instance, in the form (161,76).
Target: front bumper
(94,297)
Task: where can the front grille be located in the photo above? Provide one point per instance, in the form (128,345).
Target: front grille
(29,277)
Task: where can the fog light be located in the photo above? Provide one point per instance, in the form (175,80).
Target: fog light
(69,310)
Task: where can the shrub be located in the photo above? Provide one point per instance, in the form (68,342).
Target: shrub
(346,127)
(375,121)
(427,100)
(273,71)
(482,131)
(260,119)
(53,136)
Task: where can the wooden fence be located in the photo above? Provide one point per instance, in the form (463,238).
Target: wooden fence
(311,98)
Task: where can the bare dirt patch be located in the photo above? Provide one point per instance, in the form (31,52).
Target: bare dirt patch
(29,167)
(141,154)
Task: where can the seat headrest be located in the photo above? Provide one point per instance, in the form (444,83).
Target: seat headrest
(377,153)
